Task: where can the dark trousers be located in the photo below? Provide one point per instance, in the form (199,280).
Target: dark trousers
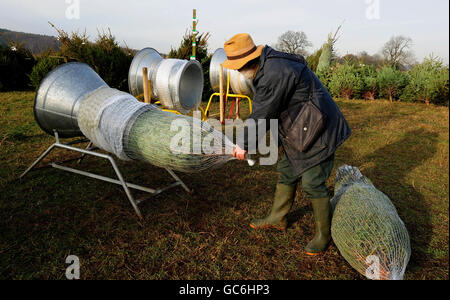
(313,180)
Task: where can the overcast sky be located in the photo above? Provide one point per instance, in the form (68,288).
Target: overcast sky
(161,24)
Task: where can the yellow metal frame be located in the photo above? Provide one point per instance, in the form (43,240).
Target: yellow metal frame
(227,95)
(168,110)
(159,103)
(171,110)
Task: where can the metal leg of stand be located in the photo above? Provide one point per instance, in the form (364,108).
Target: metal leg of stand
(125,187)
(84,155)
(179,180)
(87,151)
(116,169)
(46,152)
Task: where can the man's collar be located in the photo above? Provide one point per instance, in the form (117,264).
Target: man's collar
(262,59)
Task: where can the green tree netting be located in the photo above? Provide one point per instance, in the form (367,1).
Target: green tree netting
(367,229)
(325,58)
(118,123)
(177,142)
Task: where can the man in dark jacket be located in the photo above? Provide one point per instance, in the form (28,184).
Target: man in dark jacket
(283,85)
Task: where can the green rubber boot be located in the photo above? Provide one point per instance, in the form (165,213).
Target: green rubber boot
(322,218)
(283,200)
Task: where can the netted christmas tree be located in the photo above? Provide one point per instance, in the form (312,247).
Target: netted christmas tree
(367,229)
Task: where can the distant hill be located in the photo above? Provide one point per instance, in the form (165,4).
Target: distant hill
(36,43)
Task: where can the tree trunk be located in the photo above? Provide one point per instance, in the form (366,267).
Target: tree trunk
(347,94)
(369,95)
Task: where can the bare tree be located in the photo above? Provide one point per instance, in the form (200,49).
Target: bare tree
(295,42)
(397,51)
(375,60)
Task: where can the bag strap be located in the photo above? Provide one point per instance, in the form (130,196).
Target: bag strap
(312,86)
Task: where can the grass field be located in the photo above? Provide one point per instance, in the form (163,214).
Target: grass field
(402,148)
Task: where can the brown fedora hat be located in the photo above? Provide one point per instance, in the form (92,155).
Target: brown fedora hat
(240,49)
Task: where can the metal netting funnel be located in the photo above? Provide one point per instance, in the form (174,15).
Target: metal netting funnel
(176,83)
(149,58)
(238,83)
(217,58)
(59,96)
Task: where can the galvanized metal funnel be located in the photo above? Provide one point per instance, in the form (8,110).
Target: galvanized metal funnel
(217,58)
(59,97)
(238,83)
(176,83)
(149,58)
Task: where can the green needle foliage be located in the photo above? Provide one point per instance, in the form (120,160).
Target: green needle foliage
(429,82)
(156,137)
(370,82)
(313,60)
(15,63)
(346,82)
(104,55)
(45,64)
(391,82)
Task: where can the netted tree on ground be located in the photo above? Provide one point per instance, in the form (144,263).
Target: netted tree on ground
(367,229)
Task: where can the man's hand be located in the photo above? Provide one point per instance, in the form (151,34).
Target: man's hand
(239,153)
